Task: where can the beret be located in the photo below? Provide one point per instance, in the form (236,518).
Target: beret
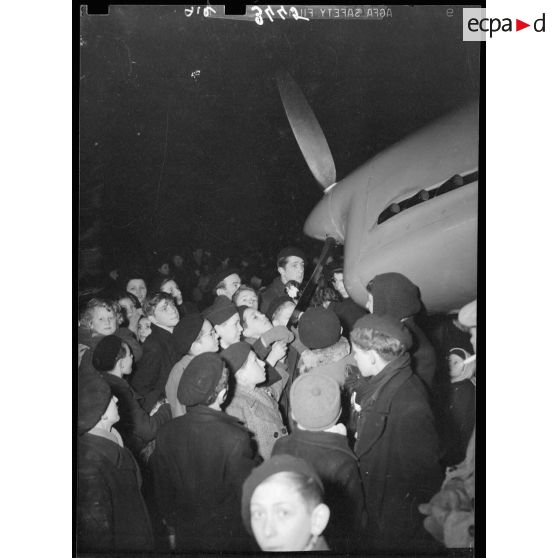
(290,251)
(221,275)
(94,396)
(319,328)
(388,325)
(104,355)
(220,311)
(199,380)
(186,331)
(235,355)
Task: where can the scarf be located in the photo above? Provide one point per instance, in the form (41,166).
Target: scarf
(366,387)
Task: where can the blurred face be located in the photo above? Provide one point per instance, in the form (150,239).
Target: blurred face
(207,341)
(280,519)
(103,321)
(177,260)
(138,288)
(473,332)
(229,331)
(144,329)
(164,269)
(283,313)
(253,371)
(339,286)
(293,270)
(247,298)
(370,304)
(232,282)
(129,308)
(255,323)
(127,361)
(165,314)
(364,361)
(171,288)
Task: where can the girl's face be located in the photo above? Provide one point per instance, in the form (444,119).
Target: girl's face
(144,329)
(280,519)
(138,288)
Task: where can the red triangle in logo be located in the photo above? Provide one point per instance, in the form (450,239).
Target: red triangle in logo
(519,25)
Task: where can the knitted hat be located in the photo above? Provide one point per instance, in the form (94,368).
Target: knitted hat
(220,311)
(275,303)
(94,396)
(395,294)
(186,331)
(388,325)
(199,380)
(468,314)
(290,251)
(319,328)
(104,355)
(221,275)
(315,401)
(235,355)
(276,464)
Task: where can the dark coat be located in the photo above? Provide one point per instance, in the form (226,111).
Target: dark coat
(337,466)
(200,461)
(159,356)
(398,450)
(135,426)
(275,289)
(111,511)
(423,355)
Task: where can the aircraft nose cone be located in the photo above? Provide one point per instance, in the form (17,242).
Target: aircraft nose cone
(321,222)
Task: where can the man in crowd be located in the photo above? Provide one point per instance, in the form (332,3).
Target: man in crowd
(397,443)
(159,354)
(200,461)
(290,265)
(225,283)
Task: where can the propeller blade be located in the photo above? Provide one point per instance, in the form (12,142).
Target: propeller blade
(308,132)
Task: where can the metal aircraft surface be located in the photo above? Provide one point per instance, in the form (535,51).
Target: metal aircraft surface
(413,208)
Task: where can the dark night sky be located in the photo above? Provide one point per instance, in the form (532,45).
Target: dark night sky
(232,170)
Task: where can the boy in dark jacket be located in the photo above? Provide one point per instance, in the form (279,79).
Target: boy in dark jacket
(319,440)
(111,512)
(159,354)
(200,461)
(396,444)
(114,359)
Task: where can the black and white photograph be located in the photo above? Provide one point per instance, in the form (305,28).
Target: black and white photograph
(276,278)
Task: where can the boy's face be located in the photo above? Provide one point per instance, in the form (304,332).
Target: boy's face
(247,298)
(232,282)
(165,314)
(364,361)
(207,341)
(103,321)
(126,362)
(293,270)
(280,518)
(229,331)
(256,323)
(253,370)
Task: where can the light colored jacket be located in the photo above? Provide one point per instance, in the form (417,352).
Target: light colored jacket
(258,410)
